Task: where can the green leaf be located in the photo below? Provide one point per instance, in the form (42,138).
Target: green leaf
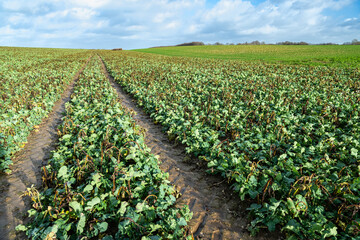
(253,194)
(88,188)
(155,227)
(182,222)
(32,212)
(96,179)
(254,206)
(92,203)
(122,209)
(271,225)
(63,173)
(331,232)
(102,226)
(140,207)
(76,206)
(66,137)
(52,230)
(292,226)
(317,227)
(354,152)
(21,227)
(253,180)
(81,224)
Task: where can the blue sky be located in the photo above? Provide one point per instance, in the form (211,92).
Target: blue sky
(145,23)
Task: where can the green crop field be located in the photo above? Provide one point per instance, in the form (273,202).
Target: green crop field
(101,182)
(279,124)
(285,136)
(347,55)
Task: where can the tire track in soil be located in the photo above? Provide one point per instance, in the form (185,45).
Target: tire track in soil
(218,212)
(26,170)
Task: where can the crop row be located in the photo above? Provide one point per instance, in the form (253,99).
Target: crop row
(102,181)
(23,59)
(31,82)
(285,136)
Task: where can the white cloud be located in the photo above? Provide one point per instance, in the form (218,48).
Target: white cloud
(162,17)
(9,31)
(135,28)
(17,18)
(228,9)
(82,13)
(32,7)
(69,14)
(12,5)
(267,29)
(144,23)
(350,19)
(172,25)
(272,20)
(131,37)
(87,3)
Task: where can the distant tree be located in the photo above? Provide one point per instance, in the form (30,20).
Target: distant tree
(255,42)
(191,44)
(327,43)
(303,43)
(355,42)
(292,43)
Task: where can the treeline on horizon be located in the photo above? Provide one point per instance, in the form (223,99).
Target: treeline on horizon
(353,42)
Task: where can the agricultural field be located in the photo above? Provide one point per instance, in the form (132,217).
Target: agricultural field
(278,126)
(284,135)
(101,181)
(32,80)
(348,55)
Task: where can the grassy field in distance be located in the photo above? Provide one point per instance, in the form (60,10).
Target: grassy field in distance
(348,55)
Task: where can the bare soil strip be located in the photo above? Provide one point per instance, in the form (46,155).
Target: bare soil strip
(27,168)
(218,211)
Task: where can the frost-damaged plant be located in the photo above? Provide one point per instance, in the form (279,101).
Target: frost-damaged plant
(102,181)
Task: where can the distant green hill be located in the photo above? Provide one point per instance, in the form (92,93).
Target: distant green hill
(348,55)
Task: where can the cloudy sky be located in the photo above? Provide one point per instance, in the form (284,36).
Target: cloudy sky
(144,23)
